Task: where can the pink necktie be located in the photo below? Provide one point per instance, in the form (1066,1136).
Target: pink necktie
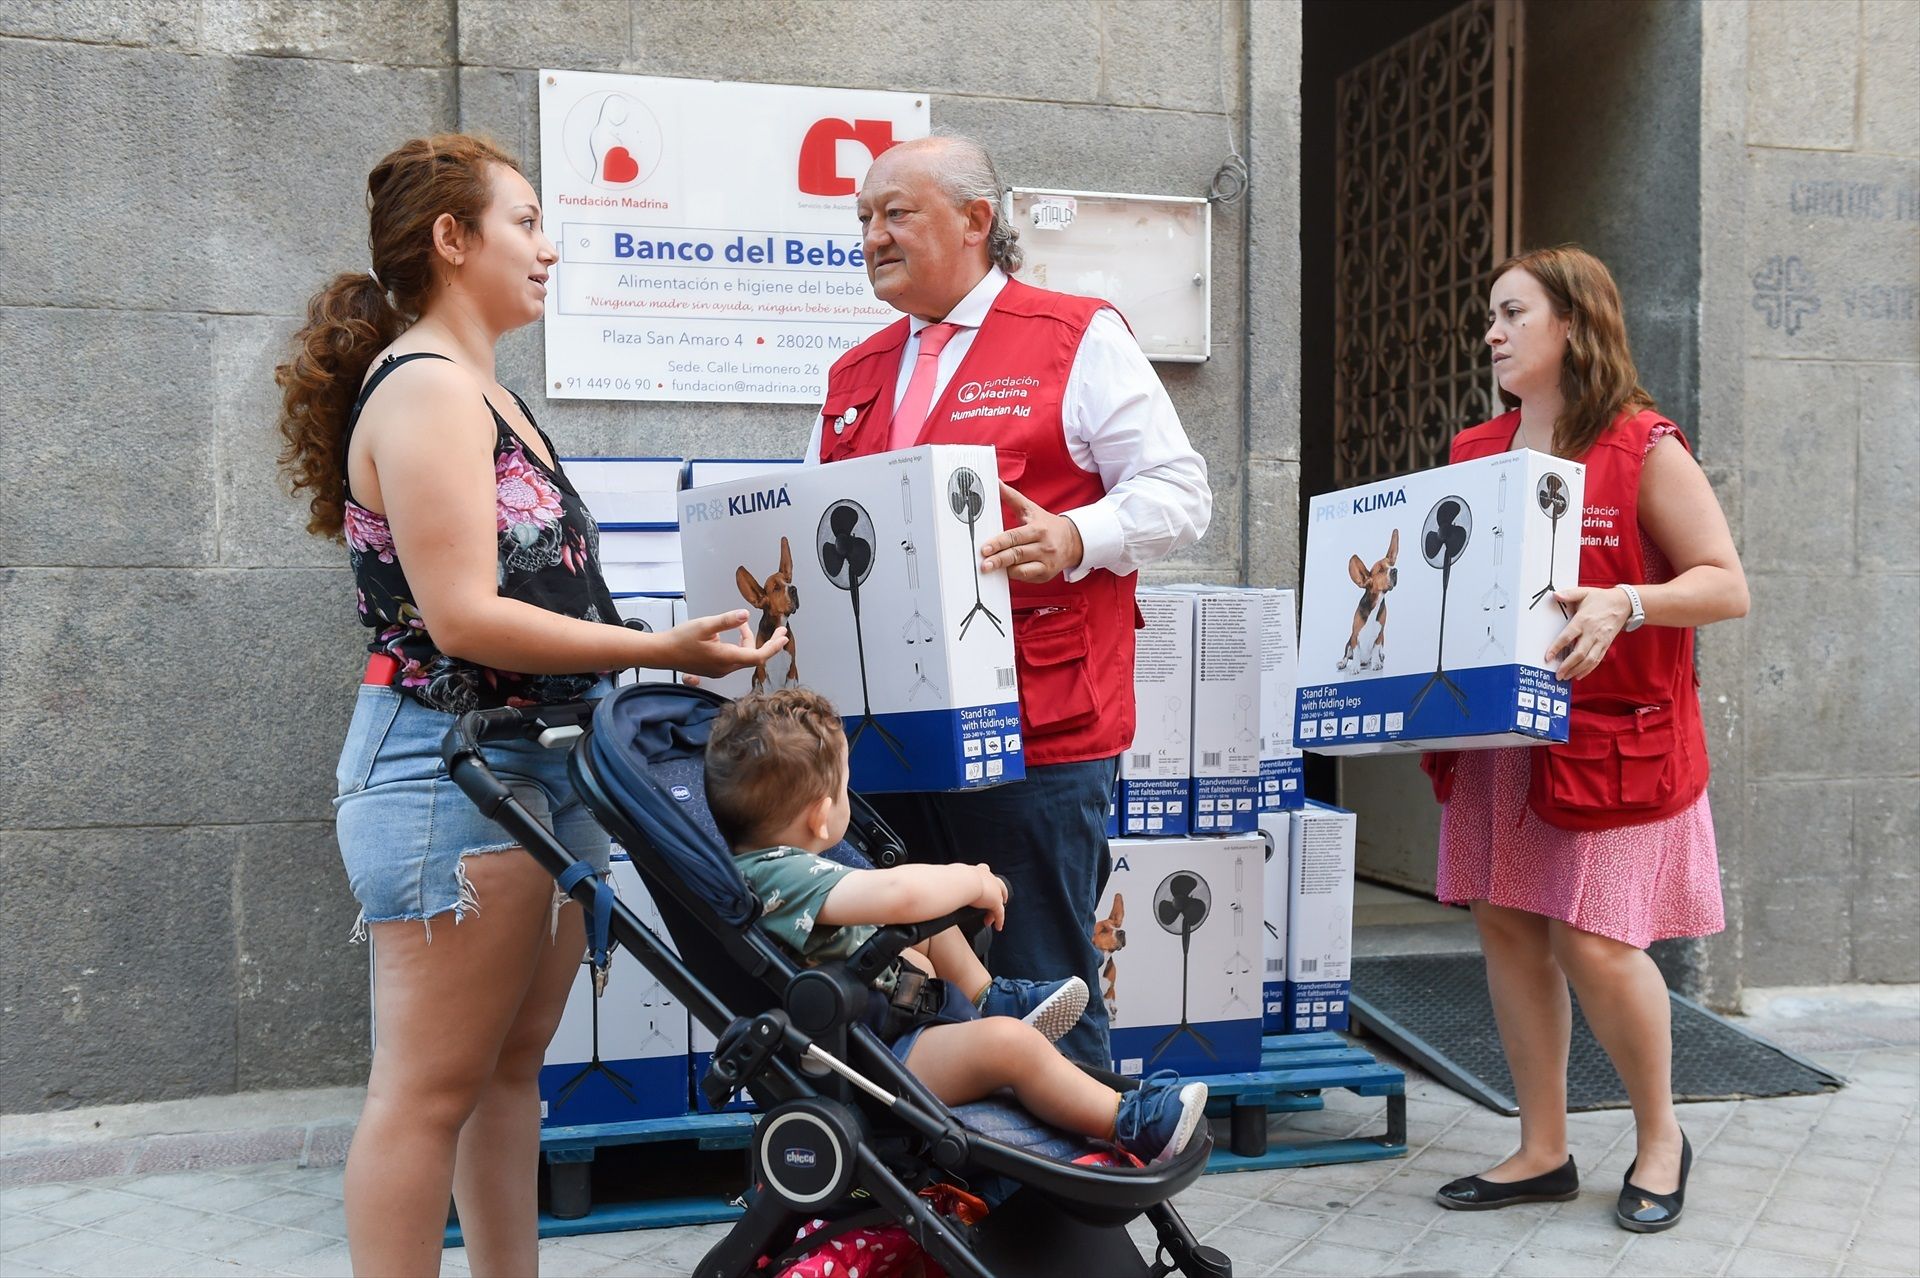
(912,413)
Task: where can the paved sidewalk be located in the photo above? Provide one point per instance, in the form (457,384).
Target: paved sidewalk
(1805,1185)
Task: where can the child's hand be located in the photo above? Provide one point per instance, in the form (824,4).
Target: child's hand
(993,897)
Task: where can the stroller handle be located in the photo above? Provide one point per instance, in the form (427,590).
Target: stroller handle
(549,725)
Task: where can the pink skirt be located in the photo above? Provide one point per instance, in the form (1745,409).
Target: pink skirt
(1637,884)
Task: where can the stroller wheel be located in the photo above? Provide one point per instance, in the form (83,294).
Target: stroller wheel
(805,1151)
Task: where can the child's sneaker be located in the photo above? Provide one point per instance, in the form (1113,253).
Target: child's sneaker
(1052,1007)
(1156,1119)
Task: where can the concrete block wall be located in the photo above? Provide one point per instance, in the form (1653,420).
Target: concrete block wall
(178,657)
(1810,202)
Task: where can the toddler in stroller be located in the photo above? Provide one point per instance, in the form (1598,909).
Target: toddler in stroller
(847,1135)
(776,783)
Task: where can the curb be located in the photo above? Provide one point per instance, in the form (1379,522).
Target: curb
(311,1145)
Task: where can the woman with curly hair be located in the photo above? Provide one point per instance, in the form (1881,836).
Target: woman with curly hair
(477,568)
(1576,857)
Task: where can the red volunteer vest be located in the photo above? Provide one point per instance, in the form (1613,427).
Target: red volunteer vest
(1072,706)
(1636,748)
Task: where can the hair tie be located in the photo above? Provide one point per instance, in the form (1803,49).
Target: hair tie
(375,279)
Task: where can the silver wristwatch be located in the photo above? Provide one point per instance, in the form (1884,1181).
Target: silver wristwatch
(1638,618)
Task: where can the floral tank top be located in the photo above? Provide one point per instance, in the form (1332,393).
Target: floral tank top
(549,557)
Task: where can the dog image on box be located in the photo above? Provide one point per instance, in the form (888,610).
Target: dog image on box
(1374,583)
(778,599)
(1110,937)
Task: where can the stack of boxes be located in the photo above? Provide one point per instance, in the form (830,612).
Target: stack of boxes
(633,501)
(1189,912)
(1308,951)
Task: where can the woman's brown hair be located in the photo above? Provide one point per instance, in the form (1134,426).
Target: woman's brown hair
(360,312)
(1597,378)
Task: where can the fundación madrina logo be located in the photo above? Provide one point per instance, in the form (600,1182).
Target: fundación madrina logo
(612,140)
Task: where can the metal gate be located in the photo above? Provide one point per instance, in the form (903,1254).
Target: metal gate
(1425,158)
(1424,164)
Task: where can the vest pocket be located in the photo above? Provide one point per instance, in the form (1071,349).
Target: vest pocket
(1613,762)
(1050,650)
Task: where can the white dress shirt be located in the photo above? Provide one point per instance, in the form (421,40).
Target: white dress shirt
(1118,423)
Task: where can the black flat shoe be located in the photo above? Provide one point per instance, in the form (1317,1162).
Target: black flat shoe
(1472,1193)
(1645,1212)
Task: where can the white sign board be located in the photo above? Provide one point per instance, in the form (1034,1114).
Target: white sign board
(1151,256)
(709,249)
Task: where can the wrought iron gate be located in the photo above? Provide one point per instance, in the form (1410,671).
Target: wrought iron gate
(1424,161)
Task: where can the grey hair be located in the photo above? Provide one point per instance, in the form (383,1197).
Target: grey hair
(967,174)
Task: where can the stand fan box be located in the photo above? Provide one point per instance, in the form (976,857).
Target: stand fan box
(625,1058)
(1229,626)
(1318,903)
(1184,989)
(1428,608)
(890,616)
(1156,770)
(1282,770)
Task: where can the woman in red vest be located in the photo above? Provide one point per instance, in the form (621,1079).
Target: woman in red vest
(1575,858)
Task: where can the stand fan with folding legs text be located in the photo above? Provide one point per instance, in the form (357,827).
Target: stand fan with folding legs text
(1551,496)
(1443,539)
(967,501)
(845,542)
(1180,905)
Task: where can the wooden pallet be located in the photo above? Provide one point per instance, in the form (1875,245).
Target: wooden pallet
(1295,1070)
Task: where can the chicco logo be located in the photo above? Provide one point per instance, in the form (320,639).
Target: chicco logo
(680,792)
(799,1158)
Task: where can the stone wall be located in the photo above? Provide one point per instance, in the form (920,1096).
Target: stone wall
(178,657)
(1810,206)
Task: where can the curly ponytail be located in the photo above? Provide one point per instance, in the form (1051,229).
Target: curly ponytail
(356,315)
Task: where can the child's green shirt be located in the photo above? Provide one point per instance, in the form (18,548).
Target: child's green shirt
(792,885)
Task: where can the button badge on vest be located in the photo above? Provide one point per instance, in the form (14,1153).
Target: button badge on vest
(845,420)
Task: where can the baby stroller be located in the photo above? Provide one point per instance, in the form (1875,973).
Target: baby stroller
(846,1134)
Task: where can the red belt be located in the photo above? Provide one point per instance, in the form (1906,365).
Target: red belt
(381,671)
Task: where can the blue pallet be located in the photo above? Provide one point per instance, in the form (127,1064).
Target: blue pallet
(572,1146)
(1294,1070)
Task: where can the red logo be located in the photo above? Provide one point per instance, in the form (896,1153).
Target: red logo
(819,161)
(618,167)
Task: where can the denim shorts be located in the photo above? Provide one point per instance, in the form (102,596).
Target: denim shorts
(404,826)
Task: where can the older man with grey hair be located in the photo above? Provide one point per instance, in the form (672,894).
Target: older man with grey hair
(1097,481)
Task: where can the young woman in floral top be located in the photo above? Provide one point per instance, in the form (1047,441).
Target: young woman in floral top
(477,568)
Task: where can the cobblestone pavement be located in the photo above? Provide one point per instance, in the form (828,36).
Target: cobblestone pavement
(1803,1185)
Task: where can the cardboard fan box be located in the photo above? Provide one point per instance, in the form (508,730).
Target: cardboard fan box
(872,564)
(1428,608)
(1180,931)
